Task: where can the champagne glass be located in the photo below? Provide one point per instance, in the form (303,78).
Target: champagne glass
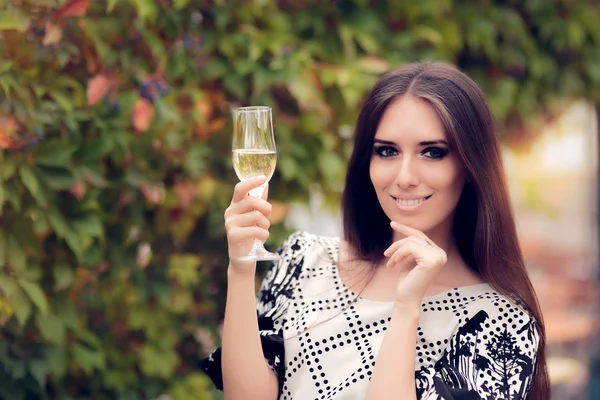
(254,154)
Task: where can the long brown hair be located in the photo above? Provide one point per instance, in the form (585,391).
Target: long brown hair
(486,234)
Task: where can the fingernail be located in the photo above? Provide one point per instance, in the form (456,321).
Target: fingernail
(262,178)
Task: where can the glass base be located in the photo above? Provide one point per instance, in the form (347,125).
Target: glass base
(260,255)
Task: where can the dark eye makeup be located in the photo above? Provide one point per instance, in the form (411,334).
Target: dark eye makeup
(432,153)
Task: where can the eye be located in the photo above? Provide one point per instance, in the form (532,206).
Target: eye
(435,153)
(385,151)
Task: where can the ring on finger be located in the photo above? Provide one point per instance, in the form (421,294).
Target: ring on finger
(427,243)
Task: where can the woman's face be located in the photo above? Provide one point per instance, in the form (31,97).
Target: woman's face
(418,180)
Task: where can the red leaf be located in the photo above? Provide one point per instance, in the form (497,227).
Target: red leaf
(78,190)
(152,194)
(74,8)
(8,128)
(142,115)
(97,88)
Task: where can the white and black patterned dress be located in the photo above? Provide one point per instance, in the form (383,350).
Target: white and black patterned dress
(322,340)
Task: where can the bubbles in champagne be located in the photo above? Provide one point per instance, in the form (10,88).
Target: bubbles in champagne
(249,163)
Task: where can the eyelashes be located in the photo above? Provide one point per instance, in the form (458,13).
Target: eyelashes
(432,153)
(435,153)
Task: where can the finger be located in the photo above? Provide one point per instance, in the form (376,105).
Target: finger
(405,229)
(395,246)
(240,234)
(410,231)
(250,203)
(242,188)
(408,250)
(252,218)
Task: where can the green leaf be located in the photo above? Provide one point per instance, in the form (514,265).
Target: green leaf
(57,178)
(63,101)
(146,9)
(156,362)
(5,66)
(184,269)
(63,276)
(35,293)
(54,153)
(93,176)
(89,225)
(2,198)
(51,328)
(58,361)
(38,370)
(32,184)
(179,4)
(13,20)
(92,152)
(11,193)
(15,255)
(21,306)
(332,167)
(196,158)
(8,286)
(58,223)
(111,5)
(8,168)
(3,249)
(87,358)
(66,312)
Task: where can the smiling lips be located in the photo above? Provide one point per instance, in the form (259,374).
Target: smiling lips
(410,202)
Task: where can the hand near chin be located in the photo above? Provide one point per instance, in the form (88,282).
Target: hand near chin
(420,260)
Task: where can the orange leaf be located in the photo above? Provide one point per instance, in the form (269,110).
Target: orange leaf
(97,88)
(278,212)
(216,125)
(142,115)
(8,126)
(205,108)
(74,8)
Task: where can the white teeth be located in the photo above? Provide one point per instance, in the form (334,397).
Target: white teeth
(410,202)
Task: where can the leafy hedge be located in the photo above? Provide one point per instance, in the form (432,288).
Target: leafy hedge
(115,169)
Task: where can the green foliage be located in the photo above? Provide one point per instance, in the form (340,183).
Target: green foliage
(115,173)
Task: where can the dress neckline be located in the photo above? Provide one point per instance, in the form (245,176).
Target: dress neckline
(463,290)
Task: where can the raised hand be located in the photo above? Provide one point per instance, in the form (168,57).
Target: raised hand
(420,259)
(246,218)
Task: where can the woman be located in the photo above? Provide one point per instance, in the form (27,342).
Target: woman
(426,296)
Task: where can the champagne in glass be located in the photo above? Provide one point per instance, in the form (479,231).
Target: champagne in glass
(254,154)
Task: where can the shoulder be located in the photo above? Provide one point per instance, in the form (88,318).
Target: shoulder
(300,242)
(282,276)
(497,316)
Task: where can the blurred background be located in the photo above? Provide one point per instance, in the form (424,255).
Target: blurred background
(115,166)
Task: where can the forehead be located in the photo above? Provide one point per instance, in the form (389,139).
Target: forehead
(410,118)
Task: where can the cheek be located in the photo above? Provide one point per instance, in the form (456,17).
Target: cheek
(380,175)
(448,179)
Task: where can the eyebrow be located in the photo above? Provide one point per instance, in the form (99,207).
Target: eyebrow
(425,143)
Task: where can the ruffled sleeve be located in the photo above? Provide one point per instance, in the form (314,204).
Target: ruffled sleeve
(272,302)
(491,356)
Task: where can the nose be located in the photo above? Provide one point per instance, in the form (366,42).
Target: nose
(406,175)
